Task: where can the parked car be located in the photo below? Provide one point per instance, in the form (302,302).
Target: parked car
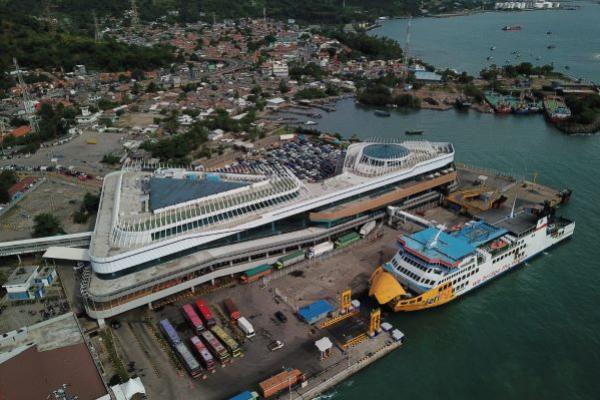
(280,316)
(275,345)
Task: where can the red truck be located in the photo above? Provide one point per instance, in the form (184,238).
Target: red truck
(232,309)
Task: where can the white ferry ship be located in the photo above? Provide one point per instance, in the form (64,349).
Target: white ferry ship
(433,266)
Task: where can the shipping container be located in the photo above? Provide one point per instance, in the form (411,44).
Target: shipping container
(279,382)
(320,249)
(232,309)
(215,347)
(346,240)
(256,273)
(246,327)
(191,365)
(170,333)
(205,313)
(230,344)
(367,228)
(192,318)
(206,358)
(289,259)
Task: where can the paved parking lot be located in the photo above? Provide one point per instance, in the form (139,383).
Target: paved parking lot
(257,302)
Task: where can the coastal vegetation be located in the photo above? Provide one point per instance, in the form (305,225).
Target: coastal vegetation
(585,110)
(380,95)
(371,47)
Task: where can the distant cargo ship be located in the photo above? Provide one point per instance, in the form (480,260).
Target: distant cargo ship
(511,28)
(434,267)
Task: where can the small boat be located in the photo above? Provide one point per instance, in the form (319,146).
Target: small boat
(492,48)
(310,123)
(551,46)
(382,113)
(462,103)
(549,33)
(413,132)
(511,28)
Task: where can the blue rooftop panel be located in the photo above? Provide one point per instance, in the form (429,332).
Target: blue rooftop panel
(166,192)
(451,247)
(315,311)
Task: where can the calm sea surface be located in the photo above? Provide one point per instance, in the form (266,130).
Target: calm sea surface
(533,333)
(464,43)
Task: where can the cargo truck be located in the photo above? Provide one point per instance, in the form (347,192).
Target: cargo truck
(232,309)
(246,327)
(289,259)
(256,273)
(279,382)
(247,395)
(367,228)
(320,249)
(346,240)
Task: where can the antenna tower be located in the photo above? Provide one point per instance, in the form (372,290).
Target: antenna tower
(407,44)
(27,104)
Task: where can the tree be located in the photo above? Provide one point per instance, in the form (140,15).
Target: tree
(46,224)
(283,87)
(7,179)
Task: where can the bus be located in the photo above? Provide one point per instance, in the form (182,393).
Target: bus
(289,259)
(207,359)
(205,313)
(215,347)
(191,365)
(256,273)
(232,346)
(169,332)
(192,318)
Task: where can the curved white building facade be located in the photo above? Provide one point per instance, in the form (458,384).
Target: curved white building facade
(147,216)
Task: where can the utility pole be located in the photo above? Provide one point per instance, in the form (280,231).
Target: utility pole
(265,15)
(96,28)
(27,106)
(135,18)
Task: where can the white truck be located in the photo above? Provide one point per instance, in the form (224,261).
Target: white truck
(367,228)
(246,327)
(320,249)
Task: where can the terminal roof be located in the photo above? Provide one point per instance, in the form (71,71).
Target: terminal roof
(166,192)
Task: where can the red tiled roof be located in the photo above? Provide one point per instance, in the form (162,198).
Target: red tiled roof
(21,131)
(21,185)
(33,374)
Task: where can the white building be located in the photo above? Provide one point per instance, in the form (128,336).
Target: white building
(280,69)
